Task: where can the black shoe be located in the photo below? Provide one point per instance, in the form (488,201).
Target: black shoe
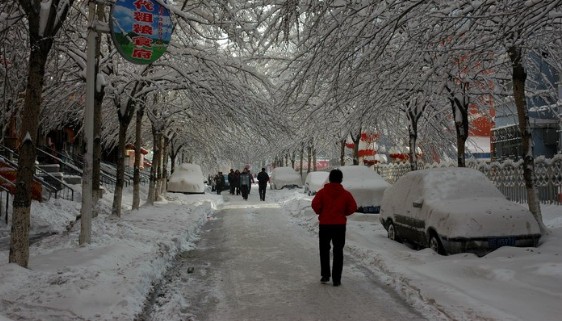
(337,283)
(325,280)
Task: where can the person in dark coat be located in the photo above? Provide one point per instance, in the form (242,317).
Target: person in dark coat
(219,182)
(231,181)
(252,181)
(263,178)
(245,180)
(236,182)
(332,204)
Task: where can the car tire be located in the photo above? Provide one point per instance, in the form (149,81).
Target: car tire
(392,232)
(435,244)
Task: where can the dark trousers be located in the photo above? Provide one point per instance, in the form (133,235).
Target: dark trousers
(244,189)
(334,234)
(262,187)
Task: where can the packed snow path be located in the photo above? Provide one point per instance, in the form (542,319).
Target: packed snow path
(252,263)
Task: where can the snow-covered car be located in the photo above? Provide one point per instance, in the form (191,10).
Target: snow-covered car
(187,178)
(315,181)
(284,177)
(454,210)
(366,186)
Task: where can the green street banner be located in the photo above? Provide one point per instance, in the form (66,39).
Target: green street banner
(141,29)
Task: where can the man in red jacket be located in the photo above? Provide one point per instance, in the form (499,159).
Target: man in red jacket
(332,204)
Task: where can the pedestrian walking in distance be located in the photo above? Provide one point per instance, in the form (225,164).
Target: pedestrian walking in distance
(332,204)
(231,180)
(263,178)
(245,183)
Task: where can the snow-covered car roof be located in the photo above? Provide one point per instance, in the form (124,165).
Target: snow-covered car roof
(285,176)
(316,180)
(187,178)
(366,186)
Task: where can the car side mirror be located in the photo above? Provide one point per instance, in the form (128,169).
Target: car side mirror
(418,203)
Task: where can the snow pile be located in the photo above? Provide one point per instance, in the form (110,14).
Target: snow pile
(110,278)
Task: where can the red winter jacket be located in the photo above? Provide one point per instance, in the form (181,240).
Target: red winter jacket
(333,203)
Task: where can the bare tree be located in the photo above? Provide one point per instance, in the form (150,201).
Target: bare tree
(44,23)
(414,109)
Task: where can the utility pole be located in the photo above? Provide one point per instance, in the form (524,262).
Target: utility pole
(86,212)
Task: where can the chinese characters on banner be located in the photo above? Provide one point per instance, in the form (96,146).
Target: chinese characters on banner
(141,29)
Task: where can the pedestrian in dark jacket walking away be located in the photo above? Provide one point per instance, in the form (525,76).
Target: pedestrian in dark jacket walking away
(252,181)
(332,204)
(232,187)
(236,182)
(245,183)
(263,178)
(219,182)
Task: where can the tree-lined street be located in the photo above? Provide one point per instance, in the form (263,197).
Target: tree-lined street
(252,263)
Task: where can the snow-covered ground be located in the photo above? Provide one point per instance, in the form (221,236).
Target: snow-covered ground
(110,278)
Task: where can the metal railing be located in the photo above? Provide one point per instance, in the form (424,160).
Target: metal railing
(5,192)
(72,166)
(54,185)
(507,176)
(65,161)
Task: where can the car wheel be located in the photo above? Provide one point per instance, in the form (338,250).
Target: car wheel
(435,244)
(392,232)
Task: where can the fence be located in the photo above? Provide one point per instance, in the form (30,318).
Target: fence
(507,176)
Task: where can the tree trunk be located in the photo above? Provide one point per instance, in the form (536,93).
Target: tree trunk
(174,154)
(40,46)
(137,164)
(414,114)
(173,157)
(21,217)
(308,157)
(19,240)
(356,139)
(154,169)
(314,159)
(124,121)
(302,158)
(519,78)
(164,177)
(460,115)
(159,168)
(98,100)
(120,175)
(293,159)
(412,131)
(96,165)
(342,152)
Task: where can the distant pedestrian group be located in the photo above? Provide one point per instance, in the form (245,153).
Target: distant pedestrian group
(241,182)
